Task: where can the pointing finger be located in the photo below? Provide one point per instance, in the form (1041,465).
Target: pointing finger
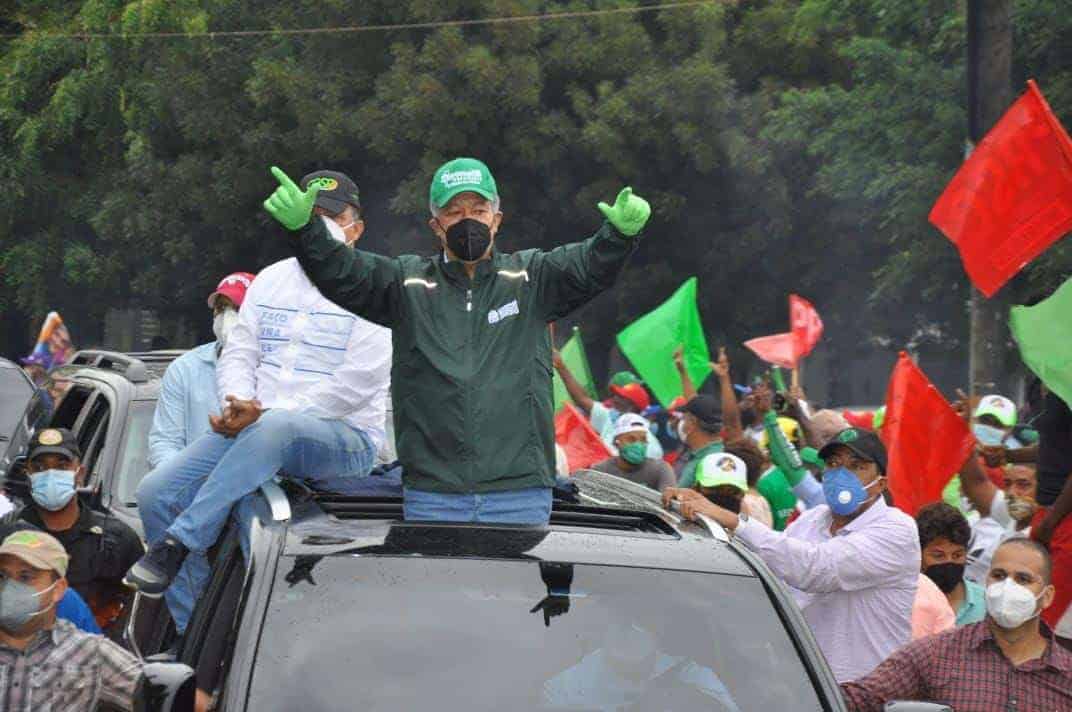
(284,179)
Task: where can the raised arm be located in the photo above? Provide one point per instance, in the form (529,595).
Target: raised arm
(688,389)
(571,275)
(731,413)
(576,391)
(365,284)
(977,487)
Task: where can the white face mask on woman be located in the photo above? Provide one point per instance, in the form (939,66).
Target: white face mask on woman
(222,324)
(1011,604)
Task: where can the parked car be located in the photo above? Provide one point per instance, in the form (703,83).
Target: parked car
(108,402)
(23,409)
(618,604)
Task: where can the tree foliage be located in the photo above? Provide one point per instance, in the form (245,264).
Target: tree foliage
(786,145)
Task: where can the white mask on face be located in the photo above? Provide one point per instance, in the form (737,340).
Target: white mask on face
(222,324)
(335,231)
(1010,604)
(681,434)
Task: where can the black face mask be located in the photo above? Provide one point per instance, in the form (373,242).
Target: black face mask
(945,576)
(468,239)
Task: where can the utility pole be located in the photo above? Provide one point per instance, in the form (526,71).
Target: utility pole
(989,96)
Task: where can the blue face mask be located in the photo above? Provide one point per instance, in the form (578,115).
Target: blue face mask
(52,489)
(843,491)
(988,434)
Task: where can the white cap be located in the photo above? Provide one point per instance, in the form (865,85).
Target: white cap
(998,406)
(722,468)
(630,423)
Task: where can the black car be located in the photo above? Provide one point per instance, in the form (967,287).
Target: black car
(23,409)
(108,403)
(618,604)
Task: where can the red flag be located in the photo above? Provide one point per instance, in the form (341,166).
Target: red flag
(806,325)
(779,349)
(1013,197)
(927,442)
(581,442)
(864,420)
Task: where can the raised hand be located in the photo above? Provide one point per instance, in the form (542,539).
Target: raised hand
(629,212)
(289,204)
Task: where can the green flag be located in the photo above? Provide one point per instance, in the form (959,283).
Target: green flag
(1044,333)
(572,353)
(650,341)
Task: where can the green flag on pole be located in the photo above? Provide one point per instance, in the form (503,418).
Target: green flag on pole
(572,353)
(650,341)
(1044,333)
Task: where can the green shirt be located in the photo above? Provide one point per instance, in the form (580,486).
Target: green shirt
(776,490)
(973,608)
(692,460)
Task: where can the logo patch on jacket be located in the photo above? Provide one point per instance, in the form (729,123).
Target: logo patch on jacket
(504,312)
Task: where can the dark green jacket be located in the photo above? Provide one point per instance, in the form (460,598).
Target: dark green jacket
(471,378)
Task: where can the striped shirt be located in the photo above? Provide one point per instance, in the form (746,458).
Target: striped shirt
(66,670)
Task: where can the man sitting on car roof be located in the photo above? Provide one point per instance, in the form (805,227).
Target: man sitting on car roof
(188,389)
(303,389)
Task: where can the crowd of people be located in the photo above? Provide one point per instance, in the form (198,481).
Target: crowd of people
(966,603)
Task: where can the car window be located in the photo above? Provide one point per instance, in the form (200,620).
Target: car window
(360,632)
(15,393)
(133,463)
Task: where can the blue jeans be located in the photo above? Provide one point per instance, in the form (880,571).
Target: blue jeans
(523,506)
(190,497)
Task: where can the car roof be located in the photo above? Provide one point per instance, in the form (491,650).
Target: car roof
(141,371)
(616,523)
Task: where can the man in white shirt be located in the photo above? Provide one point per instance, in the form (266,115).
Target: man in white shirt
(303,390)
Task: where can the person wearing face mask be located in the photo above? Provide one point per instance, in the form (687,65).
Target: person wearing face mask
(699,427)
(944,535)
(188,389)
(302,386)
(101,546)
(1008,661)
(632,462)
(852,564)
(472,382)
(627,397)
(46,663)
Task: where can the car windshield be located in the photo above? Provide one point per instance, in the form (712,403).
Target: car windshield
(359,632)
(15,392)
(134,459)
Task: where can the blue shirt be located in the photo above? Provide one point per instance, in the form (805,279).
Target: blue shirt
(973,608)
(72,608)
(187,397)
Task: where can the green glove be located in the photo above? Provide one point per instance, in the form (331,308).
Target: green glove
(289,204)
(629,212)
(782,452)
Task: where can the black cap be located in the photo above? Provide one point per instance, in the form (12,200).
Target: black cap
(337,191)
(706,409)
(863,443)
(55,441)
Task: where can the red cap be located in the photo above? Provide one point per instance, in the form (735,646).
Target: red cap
(675,405)
(233,286)
(634,393)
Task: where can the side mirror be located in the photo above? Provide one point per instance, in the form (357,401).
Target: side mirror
(916,707)
(165,687)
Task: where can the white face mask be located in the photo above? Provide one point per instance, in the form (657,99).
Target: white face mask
(222,324)
(1010,604)
(681,434)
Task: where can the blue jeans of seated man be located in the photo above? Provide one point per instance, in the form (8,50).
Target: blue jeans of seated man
(190,496)
(523,506)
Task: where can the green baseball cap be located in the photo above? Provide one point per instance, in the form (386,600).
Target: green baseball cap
(462,175)
(811,456)
(722,468)
(624,378)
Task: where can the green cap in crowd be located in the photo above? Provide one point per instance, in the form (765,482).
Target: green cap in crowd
(462,175)
(624,378)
